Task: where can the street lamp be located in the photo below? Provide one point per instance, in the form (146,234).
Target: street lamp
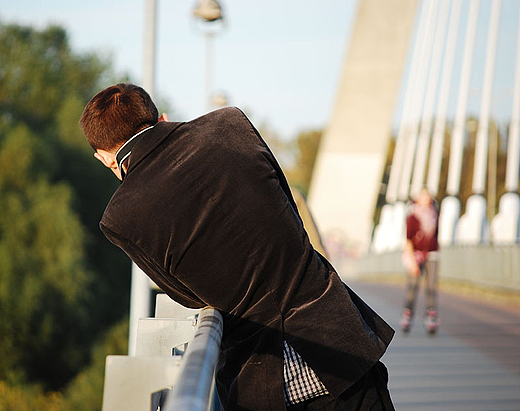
(209,12)
(140,294)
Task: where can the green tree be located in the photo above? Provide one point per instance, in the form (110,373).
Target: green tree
(42,276)
(62,285)
(38,70)
(306,150)
(29,398)
(85,393)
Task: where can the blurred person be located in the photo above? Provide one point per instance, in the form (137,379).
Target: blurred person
(420,259)
(205,211)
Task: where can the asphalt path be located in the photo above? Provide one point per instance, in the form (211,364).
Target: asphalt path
(471,363)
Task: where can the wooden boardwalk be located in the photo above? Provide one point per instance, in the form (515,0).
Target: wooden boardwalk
(472,363)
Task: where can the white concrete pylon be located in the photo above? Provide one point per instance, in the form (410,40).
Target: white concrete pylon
(396,240)
(434,169)
(472,227)
(423,141)
(481,148)
(505,226)
(418,101)
(385,236)
(347,175)
(404,122)
(449,213)
(380,242)
(457,140)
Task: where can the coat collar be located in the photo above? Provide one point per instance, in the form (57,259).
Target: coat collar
(147,141)
(126,149)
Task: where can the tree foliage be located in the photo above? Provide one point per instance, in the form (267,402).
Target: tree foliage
(296,156)
(29,398)
(85,393)
(41,272)
(62,285)
(306,149)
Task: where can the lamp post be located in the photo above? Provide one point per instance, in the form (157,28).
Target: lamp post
(140,294)
(210,13)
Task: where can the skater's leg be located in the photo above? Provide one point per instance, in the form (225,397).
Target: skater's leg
(431,285)
(431,318)
(412,290)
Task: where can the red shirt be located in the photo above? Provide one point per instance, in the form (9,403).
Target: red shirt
(422,226)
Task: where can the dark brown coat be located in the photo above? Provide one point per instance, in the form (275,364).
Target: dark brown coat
(207,213)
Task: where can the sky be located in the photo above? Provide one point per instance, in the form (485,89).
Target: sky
(279,60)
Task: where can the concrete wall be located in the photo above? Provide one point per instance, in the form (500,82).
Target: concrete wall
(493,267)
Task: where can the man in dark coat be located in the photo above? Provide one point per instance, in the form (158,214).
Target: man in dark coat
(206,212)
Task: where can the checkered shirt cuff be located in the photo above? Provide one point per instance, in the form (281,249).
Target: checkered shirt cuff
(300,381)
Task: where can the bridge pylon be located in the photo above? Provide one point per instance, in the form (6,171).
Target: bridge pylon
(350,162)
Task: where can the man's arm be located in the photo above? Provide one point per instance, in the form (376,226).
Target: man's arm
(278,169)
(166,282)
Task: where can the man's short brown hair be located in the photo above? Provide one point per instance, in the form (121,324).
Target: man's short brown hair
(115,114)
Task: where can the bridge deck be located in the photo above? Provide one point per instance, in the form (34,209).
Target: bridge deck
(473,363)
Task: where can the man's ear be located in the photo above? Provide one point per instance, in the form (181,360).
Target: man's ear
(164,117)
(108,159)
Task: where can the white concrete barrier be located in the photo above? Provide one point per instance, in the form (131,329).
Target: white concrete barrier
(142,382)
(165,307)
(131,381)
(163,336)
(494,267)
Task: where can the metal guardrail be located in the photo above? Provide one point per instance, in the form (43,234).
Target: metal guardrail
(193,391)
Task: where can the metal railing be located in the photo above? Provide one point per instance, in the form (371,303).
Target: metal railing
(195,384)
